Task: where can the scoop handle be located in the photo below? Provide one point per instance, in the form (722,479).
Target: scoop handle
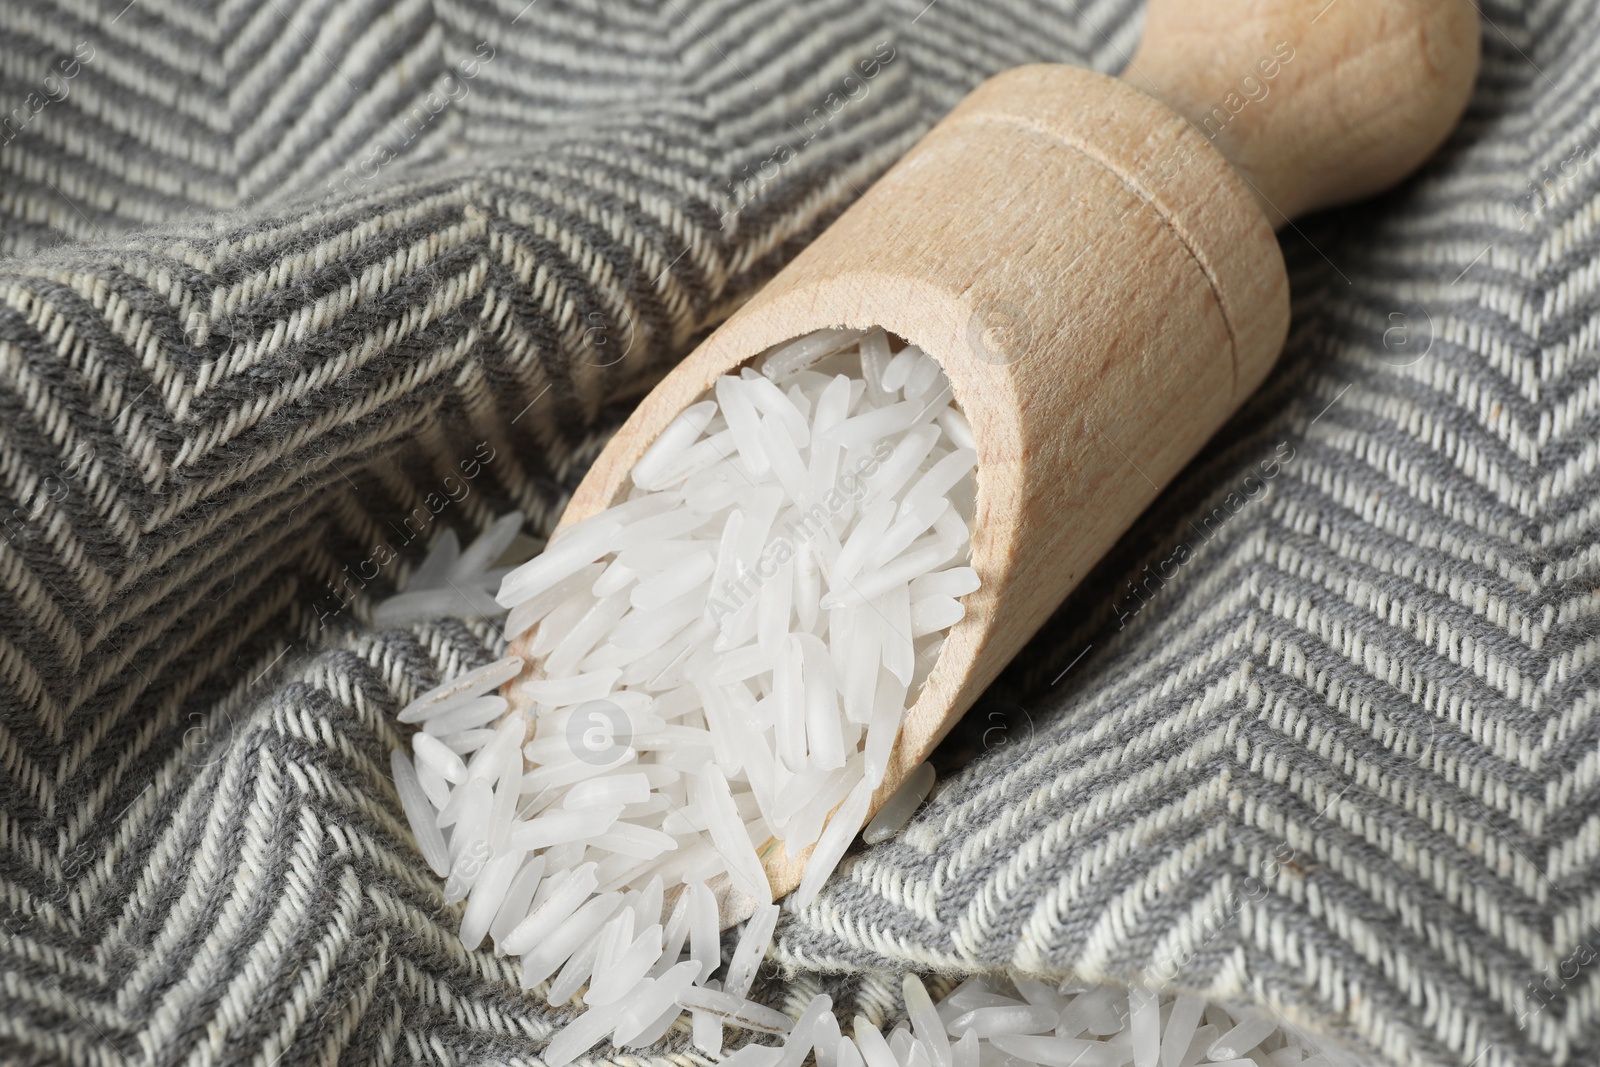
(1315,102)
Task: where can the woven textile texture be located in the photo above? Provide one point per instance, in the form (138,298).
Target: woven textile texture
(292,287)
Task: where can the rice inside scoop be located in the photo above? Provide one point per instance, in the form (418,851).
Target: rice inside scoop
(748,626)
(722,659)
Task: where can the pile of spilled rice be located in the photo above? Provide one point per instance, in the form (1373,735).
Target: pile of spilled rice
(718,662)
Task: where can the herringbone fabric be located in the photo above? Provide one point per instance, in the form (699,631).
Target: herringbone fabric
(294,286)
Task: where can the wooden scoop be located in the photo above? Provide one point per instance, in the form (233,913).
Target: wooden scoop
(1092,261)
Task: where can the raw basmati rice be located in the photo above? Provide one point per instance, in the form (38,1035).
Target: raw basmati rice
(724,658)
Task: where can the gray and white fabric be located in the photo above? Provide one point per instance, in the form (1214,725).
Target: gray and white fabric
(293,287)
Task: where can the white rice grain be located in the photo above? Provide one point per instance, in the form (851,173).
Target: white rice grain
(566,895)
(674,441)
(1144,1022)
(804,1032)
(457,690)
(728,835)
(789,359)
(519,896)
(752,947)
(624,969)
(580,1036)
(898,809)
(644,1008)
(925,1021)
(488,893)
(420,814)
(830,847)
(465,715)
(560,560)
(735,1011)
(555,944)
(437,756)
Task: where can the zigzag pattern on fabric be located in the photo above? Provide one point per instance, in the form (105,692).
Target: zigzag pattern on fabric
(1339,763)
